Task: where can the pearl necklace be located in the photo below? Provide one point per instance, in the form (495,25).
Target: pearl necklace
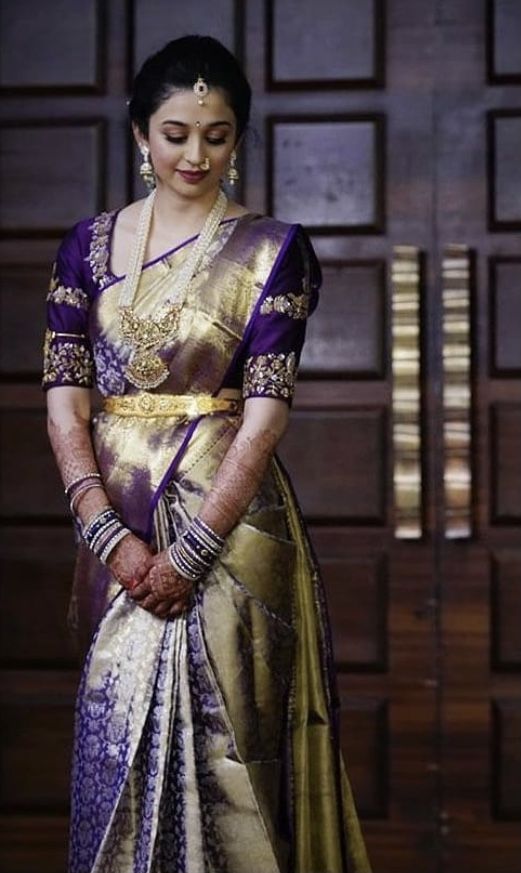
(145,368)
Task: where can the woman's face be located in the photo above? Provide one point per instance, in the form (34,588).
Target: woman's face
(183,135)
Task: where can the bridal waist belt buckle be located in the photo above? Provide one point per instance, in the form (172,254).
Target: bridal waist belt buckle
(184,407)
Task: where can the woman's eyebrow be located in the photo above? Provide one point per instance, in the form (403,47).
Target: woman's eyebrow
(183,123)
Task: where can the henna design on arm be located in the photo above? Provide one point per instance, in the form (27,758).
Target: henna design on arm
(244,466)
(69,433)
(72,446)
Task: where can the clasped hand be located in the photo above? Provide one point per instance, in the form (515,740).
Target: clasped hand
(150,580)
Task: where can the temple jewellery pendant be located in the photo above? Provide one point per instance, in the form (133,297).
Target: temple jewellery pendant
(145,368)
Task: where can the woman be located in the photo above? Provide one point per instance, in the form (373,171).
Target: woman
(205,727)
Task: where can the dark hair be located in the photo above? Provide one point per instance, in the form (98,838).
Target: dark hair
(178,65)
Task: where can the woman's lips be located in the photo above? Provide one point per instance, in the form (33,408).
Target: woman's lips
(192,178)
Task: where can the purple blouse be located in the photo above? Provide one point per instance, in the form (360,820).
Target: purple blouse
(267,359)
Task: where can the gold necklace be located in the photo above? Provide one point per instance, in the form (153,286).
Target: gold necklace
(145,336)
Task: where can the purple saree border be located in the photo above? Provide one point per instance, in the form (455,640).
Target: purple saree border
(167,476)
(191,430)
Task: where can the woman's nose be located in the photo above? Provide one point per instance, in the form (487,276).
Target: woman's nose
(194,150)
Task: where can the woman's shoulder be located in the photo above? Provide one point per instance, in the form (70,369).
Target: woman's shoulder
(269,230)
(291,237)
(81,234)
(275,225)
(87,245)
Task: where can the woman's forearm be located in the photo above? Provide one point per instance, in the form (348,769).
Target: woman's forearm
(69,433)
(244,466)
(238,480)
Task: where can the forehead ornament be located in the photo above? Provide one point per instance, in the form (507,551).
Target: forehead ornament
(201,90)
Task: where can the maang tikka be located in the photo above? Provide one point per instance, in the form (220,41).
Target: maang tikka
(146,170)
(200,90)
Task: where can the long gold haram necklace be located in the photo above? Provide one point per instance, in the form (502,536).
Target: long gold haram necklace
(145,336)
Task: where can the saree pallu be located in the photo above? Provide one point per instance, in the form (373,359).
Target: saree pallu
(207,743)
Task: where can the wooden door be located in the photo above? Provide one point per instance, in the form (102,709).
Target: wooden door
(377,125)
(478,143)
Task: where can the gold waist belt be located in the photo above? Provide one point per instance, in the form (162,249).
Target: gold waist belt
(183,406)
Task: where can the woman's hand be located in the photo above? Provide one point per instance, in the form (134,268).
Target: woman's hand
(130,561)
(163,591)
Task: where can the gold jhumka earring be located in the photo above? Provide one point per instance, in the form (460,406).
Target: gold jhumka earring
(232,172)
(146,170)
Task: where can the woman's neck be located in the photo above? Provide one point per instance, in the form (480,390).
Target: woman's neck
(171,210)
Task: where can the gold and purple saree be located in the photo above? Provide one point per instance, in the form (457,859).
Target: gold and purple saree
(207,743)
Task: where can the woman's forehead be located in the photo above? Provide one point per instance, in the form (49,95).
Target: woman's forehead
(182,106)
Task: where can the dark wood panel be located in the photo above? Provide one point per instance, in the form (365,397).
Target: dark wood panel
(505,463)
(23,290)
(354,490)
(35,756)
(158,21)
(52,174)
(506,763)
(352,32)
(346,336)
(506,610)
(364,732)
(503,42)
(46,48)
(328,170)
(505,316)
(35,560)
(33,843)
(357,593)
(504,170)
(25,456)
(473,838)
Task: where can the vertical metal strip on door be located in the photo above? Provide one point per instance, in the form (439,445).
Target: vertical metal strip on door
(457,394)
(406,398)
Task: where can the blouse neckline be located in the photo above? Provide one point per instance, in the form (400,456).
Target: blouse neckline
(118,278)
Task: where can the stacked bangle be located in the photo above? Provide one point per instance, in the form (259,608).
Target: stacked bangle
(104,532)
(193,554)
(80,486)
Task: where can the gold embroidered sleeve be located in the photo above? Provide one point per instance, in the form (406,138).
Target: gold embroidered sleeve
(270,375)
(59,293)
(293,305)
(99,250)
(67,360)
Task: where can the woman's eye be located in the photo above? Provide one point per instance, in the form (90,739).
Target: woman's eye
(179,140)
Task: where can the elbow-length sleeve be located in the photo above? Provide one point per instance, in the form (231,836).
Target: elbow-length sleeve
(67,355)
(279,327)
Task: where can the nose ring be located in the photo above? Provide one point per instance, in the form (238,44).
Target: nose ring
(205,164)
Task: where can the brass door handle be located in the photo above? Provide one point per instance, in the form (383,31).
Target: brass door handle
(457,392)
(406,393)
